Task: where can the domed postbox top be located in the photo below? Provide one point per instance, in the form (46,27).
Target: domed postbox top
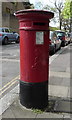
(32,13)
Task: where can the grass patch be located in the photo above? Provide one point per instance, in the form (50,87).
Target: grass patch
(38,111)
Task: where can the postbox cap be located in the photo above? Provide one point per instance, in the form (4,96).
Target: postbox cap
(35,13)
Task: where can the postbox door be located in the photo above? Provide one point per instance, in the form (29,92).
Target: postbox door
(34,47)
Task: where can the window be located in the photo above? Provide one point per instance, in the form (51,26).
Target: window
(51,35)
(10,30)
(2,30)
(61,34)
(7,30)
(7,10)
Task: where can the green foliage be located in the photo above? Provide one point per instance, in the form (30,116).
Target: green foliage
(71,9)
(53,28)
(38,111)
(66,11)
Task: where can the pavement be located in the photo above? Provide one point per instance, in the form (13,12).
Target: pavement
(59,93)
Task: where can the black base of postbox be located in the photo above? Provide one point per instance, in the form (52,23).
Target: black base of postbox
(34,95)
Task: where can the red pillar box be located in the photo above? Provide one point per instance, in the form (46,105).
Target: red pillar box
(34,57)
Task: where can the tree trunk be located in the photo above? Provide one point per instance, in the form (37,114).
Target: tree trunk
(71,16)
(60,24)
(60,19)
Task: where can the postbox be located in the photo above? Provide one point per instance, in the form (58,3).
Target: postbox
(34,57)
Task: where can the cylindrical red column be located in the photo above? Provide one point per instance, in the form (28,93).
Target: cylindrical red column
(34,57)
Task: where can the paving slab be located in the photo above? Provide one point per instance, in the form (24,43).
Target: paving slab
(67,116)
(8,114)
(59,74)
(58,91)
(50,115)
(64,106)
(70,92)
(59,71)
(18,111)
(53,80)
(56,108)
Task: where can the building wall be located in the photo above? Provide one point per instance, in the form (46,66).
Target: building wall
(0,14)
(14,24)
(8,18)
